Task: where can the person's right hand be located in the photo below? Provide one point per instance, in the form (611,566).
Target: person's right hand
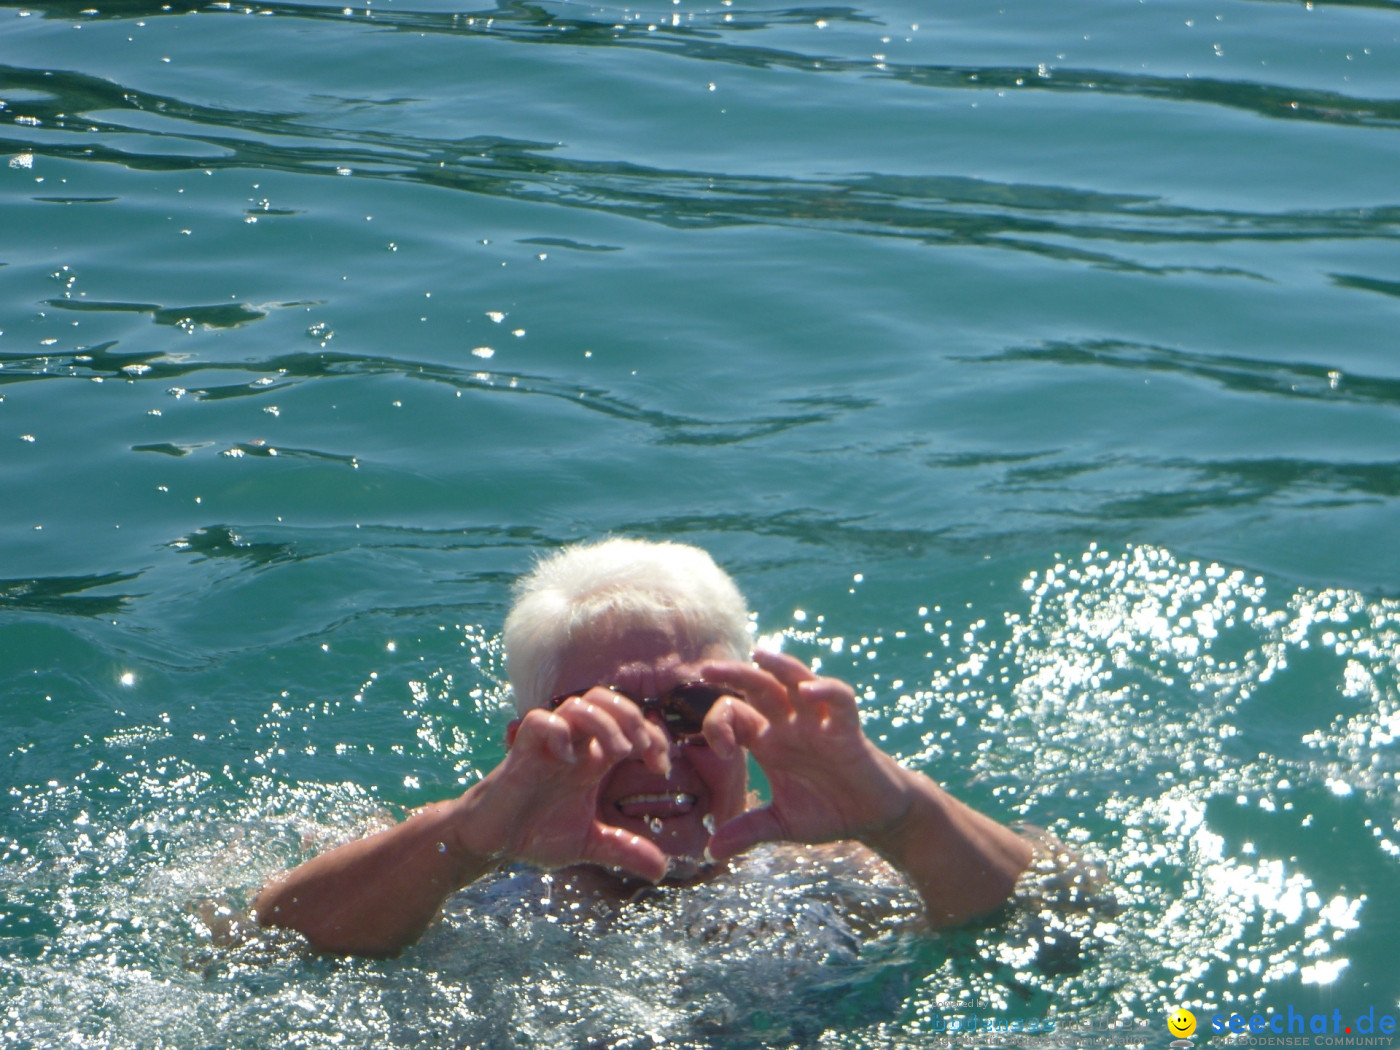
(541,804)
(372,896)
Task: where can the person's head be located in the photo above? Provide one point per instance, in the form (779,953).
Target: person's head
(592,593)
(642,618)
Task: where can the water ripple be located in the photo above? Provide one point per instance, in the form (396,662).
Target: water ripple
(703,36)
(1313,382)
(67,594)
(218,315)
(290,369)
(928,209)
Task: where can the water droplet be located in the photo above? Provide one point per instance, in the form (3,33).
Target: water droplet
(709,821)
(442,847)
(655,824)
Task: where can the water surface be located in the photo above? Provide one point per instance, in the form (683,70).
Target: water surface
(1029,365)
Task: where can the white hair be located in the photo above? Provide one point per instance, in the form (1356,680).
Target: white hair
(613,586)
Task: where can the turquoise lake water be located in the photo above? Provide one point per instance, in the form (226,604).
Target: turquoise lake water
(1032,365)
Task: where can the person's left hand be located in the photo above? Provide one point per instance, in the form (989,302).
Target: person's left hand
(828,780)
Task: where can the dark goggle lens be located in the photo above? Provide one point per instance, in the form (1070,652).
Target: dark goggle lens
(683,708)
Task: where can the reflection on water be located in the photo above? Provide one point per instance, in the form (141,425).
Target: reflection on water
(278,373)
(66,594)
(218,315)
(82,119)
(1367,284)
(1144,706)
(1138,669)
(1287,379)
(716,36)
(255,562)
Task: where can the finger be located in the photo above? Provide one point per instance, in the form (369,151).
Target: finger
(649,741)
(746,831)
(544,732)
(594,731)
(787,669)
(757,686)
(834,698)
(812,697)
(732,724)
(617,848)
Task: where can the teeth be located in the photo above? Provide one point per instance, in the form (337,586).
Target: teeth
(676,798)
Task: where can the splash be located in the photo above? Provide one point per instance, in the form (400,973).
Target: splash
(1180,720)
(1170,716)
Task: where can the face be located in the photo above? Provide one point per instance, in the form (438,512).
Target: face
(671,811)
(1181,1023)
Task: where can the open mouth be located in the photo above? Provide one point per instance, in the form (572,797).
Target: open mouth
(656,806)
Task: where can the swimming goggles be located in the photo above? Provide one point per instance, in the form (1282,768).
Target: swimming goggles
(682,708)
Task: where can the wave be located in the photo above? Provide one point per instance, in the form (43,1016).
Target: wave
(711,37)
(79,117)
(1287,379)
(283,371)
(67,594)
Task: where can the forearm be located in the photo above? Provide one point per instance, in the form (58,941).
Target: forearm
(963,863)
(376,895)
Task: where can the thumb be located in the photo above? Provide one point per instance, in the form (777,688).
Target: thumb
(746,831)
(617,848)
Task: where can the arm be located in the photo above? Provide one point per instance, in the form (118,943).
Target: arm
(962,862)
(376,895)
(831,782)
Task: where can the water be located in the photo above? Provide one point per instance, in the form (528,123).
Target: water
(1029,365)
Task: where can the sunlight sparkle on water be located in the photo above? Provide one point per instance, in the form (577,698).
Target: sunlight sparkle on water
(1070,706)
(1131,677)
(1323,972)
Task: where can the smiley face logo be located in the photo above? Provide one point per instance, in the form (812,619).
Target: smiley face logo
(1182,1023)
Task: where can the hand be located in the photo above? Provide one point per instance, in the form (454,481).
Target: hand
(541,804)
(374,895)
(828,780)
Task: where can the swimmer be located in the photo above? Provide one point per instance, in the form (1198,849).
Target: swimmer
(637,708)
